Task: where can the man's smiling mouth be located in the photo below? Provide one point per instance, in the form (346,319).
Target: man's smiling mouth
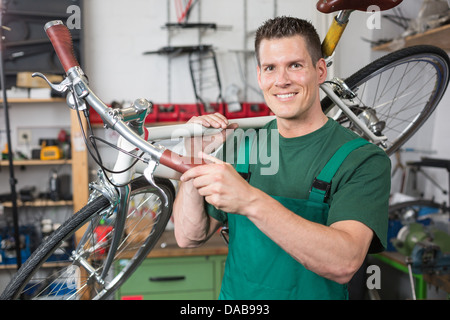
(285,95)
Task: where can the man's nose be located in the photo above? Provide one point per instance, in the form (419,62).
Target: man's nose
(282,78)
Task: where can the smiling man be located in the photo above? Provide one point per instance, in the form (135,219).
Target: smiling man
(289,77)
(302,232)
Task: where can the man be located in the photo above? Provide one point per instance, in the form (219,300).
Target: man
(282,245)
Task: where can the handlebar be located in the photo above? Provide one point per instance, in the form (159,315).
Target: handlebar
(61,40)
(178,162)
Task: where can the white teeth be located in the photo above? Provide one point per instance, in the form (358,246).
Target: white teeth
(284,96)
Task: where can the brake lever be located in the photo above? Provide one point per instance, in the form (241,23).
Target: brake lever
(61,87)
(74,101)
(148,173)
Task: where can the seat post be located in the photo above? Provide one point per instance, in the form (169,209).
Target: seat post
(335,32)
(343,16)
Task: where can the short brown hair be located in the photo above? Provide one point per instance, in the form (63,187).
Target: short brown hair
(281,27)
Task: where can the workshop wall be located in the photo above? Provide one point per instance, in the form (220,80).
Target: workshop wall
(117,35)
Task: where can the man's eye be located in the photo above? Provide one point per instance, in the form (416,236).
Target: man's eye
(269,68)
(296,65)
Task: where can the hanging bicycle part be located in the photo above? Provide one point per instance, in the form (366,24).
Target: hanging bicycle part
(183,9)
(205,77)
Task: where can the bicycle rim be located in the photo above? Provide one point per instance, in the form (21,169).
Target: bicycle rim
(402,89)
(77,275)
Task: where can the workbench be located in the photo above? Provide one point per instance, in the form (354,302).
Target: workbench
(173,273)
(398,261)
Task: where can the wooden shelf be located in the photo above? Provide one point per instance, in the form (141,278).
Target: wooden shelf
(40,203)
(4,163)
(439,37)
(79,161)
(28,100)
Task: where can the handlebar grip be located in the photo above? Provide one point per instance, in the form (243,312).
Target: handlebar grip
(61,40)
(177,162)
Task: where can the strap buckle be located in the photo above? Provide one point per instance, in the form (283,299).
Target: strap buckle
(322,186)
(245,175)
(224,233)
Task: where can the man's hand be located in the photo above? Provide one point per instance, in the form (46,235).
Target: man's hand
(209,143)
(214,120)
(220,184)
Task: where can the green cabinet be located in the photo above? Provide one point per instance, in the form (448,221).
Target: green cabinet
(176,278)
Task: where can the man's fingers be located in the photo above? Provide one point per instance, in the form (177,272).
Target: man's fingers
(209,158)
(202,169)
(193,173)
(215,120)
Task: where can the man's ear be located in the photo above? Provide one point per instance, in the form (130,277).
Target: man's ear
(321,67)
(258,74)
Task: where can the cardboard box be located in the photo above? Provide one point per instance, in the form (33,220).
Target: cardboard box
(40,93)
(17,93)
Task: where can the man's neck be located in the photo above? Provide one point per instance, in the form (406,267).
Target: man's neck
(291,128)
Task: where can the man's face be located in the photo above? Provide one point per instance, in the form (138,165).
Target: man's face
(288,78)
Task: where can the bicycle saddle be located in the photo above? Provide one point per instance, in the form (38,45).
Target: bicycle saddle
(328,6)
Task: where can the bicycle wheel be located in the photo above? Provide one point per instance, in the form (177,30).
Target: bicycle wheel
(409,211)
(78,275)
(397,93)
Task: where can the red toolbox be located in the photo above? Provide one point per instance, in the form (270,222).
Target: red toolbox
(152,116)
(256,109)
(236,114)
(167,112)
(187,111)
(215,107)
(94,117)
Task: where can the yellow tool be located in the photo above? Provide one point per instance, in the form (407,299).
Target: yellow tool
(51,153)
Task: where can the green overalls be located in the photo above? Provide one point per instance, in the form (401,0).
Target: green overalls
(257,268)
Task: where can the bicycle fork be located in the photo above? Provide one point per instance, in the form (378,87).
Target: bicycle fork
(119,198)
(120,207)
(357,121)
(119,203)
(124,192)
(119,227)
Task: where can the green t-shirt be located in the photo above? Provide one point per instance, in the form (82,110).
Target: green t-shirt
(359,190)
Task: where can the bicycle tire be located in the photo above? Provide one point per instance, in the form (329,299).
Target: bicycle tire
(396,68)
(396,210)
(24,276)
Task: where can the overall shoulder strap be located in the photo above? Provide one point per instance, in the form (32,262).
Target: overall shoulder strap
(243,156)
(322,184)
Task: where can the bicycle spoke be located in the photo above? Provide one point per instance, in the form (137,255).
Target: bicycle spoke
(398,92)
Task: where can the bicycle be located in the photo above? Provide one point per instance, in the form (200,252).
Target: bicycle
(110,220)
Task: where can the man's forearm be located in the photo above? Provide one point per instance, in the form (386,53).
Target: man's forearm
(193,226)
